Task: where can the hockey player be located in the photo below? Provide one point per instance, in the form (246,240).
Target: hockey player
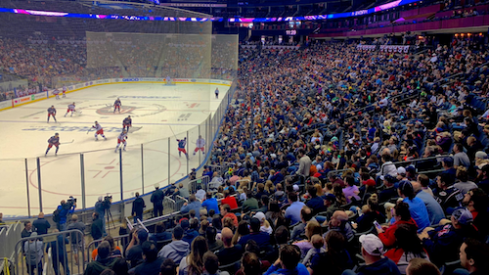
(121,139)
(200,145)
(64,91)
(71,108)
(52,112)
(126,123)
(217,92)
(181,147)
(100,131)
(54,140)
(117,105)
(56,93)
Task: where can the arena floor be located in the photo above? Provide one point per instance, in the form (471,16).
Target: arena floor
(154,108)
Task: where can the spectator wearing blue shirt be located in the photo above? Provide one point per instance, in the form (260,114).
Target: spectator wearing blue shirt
(293,212)
(194,204)
(416,205)
(262,239)
(210,203)
(435,212)
(315,203)
(64,210)
(41,225)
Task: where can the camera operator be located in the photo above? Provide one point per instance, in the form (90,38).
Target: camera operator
(100,207)
(60,215)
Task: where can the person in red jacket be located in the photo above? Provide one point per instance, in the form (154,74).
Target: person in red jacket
(402,216)
(225,212)
(407,246)
(229,200)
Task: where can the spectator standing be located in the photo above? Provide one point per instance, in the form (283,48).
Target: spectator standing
(96,229)
(157,200)
(138,206)
(27,231)
(77,241)
(58,253)
(304,164)
(101,207)
(41,225)
(33,250)
(63,210)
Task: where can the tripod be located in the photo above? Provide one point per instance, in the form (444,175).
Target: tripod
(109,218)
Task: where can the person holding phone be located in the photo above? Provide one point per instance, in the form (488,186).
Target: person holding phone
(401,215)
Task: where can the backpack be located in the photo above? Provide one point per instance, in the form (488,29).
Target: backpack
(56,215)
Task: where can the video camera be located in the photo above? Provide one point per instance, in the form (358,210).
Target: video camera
(71,201)
(108,198)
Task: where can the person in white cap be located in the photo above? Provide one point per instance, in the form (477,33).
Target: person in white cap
(401,173)
(375,263)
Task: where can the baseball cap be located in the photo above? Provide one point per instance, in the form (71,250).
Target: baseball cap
(481,155)
(388,178)
(448,161)
(406,187)
(185,224)
(260,216)
(372,244)
(369,182)
(295,187)
(142,235)
(401,171)
(411,169)
(463,216)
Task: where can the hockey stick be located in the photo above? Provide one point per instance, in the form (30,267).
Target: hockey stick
(89,130)
(172,132)
(67,142)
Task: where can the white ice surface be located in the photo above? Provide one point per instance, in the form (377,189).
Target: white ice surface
(154,107)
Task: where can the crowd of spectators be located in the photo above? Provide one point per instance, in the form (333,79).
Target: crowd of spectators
(328,170)
(329,152)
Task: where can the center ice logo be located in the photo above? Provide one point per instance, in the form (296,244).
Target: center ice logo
(109,110)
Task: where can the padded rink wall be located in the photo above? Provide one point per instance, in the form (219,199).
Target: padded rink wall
(17,102)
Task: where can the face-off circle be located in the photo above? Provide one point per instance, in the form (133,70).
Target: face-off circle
(134,110)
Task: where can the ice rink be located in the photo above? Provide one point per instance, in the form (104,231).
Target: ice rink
(154,108)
